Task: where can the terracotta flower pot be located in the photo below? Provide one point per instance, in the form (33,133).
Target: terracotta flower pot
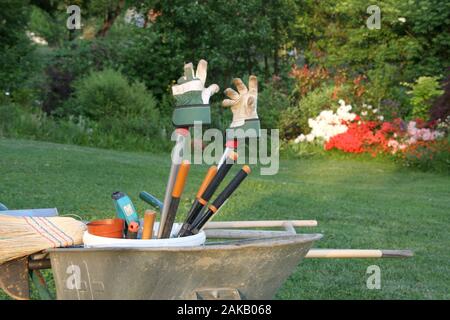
(110,228)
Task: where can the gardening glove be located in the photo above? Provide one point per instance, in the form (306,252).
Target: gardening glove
(243,104)
(191,96)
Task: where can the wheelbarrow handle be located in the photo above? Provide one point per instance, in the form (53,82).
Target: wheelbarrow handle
(260,224)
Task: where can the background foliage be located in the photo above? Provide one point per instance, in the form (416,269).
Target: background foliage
(307,54)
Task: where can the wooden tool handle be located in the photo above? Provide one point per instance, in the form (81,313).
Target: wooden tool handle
(357,253)
(149,221)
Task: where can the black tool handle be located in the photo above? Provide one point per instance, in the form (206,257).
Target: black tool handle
(192,214)
(200,222)
(212,187)
(230,188)
(220,200)
(197,207)
(170,218)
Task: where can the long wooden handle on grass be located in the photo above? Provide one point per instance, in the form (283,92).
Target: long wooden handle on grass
(357,253)
(260,224)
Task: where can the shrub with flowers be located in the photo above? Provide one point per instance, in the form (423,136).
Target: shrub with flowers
(328,124)
(413,142)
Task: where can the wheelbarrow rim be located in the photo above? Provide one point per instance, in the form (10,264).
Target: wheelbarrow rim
(228,245)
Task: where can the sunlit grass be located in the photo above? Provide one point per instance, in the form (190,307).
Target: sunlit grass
(359,204)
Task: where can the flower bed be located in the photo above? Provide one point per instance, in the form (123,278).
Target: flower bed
(413,142)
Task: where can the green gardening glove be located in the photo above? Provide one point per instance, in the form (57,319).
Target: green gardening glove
(191,96)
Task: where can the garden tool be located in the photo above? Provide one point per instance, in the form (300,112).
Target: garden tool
(132,231)
(230,146)
(151,200)
(212,171)
(191,96)
(149,221)
(176,195)
(208,193)
(220,200)
(177,155)
(244,107)
(124,207)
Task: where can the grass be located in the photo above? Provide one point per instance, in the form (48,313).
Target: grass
(358,204)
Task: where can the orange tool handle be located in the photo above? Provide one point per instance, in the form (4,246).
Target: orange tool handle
(208,178)
(149,221)
(181,179)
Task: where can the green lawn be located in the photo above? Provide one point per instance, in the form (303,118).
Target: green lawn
(358,204)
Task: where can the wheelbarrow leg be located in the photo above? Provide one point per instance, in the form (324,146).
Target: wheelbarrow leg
(14,278)
(41,286)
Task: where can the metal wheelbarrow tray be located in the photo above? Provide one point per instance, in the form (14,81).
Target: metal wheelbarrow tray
(240,269)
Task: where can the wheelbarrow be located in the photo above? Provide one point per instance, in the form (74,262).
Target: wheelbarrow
(239,269)
(250,268)
(252,264)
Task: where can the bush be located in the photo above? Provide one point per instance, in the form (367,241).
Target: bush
(423,93)
(119,107)
(271,103)
(441,107)
(72,61)
(295,119)
(132,134)
(107,93)
(427,156)
(292,150)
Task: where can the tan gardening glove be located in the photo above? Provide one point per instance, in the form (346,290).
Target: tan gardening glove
(244,102)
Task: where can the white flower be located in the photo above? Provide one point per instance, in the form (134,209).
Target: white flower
(364,113)
(7,93)
(300,138)
(375,110)
(369,107)
(381,118)
(439,134)
(402,19)
(328,123)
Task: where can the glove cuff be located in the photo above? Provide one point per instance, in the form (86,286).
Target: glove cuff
(250,129)
(185,116)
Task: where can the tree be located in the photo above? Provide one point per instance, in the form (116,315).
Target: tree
(15,47)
